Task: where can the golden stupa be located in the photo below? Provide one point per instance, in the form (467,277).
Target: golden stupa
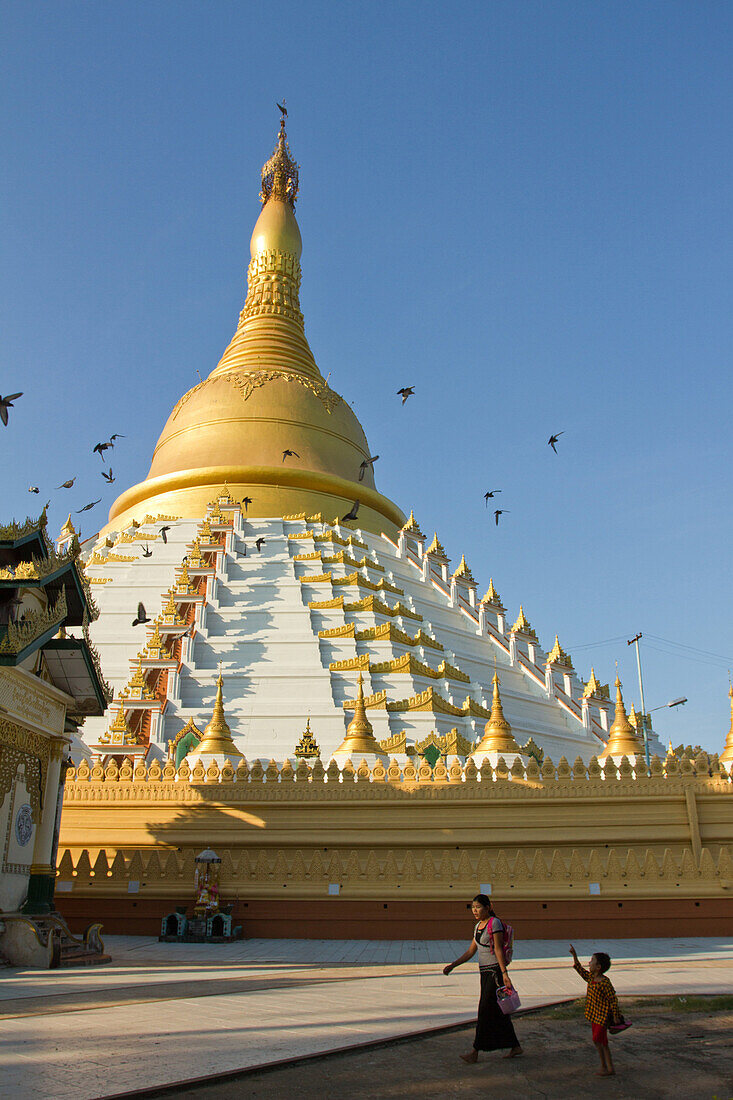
(217,736)
(622,737)
(360,732)
(498,736)
(265,397)
(726,757)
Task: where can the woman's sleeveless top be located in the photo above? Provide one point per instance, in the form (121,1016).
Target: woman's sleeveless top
(484,938)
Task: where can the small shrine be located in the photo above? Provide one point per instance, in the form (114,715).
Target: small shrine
(211,922)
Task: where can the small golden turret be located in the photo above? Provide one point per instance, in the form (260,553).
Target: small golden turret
(359,732)
(217,735)
(622,738)
(726,757)
(498,736)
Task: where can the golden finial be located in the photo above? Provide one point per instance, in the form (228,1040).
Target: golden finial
(280,173)
(498,736)
(359,732)
(307,746)
(727,754)
(557,655)
(413,526)
(594,687)
(68,528)
(622,738)
(523,625)
(436,548)
(217,736)
(463,571)
(491,595)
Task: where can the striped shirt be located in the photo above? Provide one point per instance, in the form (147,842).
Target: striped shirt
(600,1000)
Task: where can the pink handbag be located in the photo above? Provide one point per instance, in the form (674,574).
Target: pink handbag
(507,1000)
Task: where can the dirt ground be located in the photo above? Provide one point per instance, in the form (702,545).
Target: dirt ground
(676,1048)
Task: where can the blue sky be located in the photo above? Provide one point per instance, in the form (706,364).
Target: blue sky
(523,210)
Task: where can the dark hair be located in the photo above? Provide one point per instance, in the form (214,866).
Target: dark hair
(485,900)
(603,960)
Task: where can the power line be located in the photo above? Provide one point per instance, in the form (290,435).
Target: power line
(694,649)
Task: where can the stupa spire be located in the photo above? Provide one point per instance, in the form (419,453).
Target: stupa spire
(622,738)
(359,732)
(217,735)
(280,173)
(498,736)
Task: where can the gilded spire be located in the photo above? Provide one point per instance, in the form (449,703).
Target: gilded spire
(491,595)
(436,549)
(463,572)
(68,528)
(557,655)
(523,625)
(307,746)
(359,732)
(217,735)
(498,736)
(413,527)
(280,172)
(726,757)
(622,739)
(594,688)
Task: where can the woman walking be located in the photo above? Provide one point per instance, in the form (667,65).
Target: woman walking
(494,1030)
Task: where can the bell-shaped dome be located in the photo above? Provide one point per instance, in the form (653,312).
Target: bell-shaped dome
(265,421)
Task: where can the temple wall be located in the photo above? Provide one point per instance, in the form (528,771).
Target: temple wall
(612,850)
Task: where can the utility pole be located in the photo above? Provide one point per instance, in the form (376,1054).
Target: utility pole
(635,641)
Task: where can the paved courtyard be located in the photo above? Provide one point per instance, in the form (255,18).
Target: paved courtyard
(166,1013)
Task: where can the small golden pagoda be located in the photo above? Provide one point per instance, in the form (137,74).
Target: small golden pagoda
(498,736)
(622,737)
(307,746)
(217,737)
(726,757)
(360,737)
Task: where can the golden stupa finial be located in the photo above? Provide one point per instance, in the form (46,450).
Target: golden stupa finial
(280,172)
(727,754)
(413,526)
(359,732)
(491,595)
(498,736)
(307,746)
(436,548)
(217,736)
(622,738)
(594,687)
(523,625)
(463,572)
(68,528)
(557,655)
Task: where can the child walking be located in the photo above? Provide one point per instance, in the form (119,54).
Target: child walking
(600,1004)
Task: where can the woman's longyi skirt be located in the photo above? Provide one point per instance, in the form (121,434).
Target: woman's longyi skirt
(494,1030)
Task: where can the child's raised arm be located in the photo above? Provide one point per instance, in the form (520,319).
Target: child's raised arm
(576,963)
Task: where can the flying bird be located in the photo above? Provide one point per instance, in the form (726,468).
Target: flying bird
(7,403)
(141,616)
(87,507)
(115,436)
(497,513)
(365,465)
(163,533)
(101,448)
(352,514)
(108,476)
(490,494)
(33,489)
(290,454)
(246,501)
(66,484)
(147,552)
(283,108)
(553,440)
(259,544)
(405,392)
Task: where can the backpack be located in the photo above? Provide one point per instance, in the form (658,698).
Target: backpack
(508,941)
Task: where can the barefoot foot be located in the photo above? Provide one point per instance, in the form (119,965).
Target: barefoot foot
(514,1052)
(471,1057)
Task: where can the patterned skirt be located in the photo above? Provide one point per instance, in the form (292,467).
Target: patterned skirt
(494,1030)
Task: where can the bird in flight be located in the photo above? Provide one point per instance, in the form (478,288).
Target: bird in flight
(115,436)
(366,464)
(163,533)
(7,403)
(259,543)
(490,494)
(33,489)
(147,552)
(281,107)
(108,476)
(88,507)
(553,440)
(141,616)
(405,392)
(246,501)
(290,454)
(352,513)
(497,513)
(66,484)
(101,448)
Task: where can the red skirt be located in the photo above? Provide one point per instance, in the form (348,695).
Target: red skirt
(600,1035)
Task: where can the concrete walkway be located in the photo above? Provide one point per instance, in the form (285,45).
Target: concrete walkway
(163,1013)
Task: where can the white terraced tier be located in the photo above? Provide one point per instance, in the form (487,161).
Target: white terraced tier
(293,624)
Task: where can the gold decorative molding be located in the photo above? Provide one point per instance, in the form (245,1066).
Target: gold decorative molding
(307,746)
(334,539)
(20,635)
(346,630)
(325,605)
